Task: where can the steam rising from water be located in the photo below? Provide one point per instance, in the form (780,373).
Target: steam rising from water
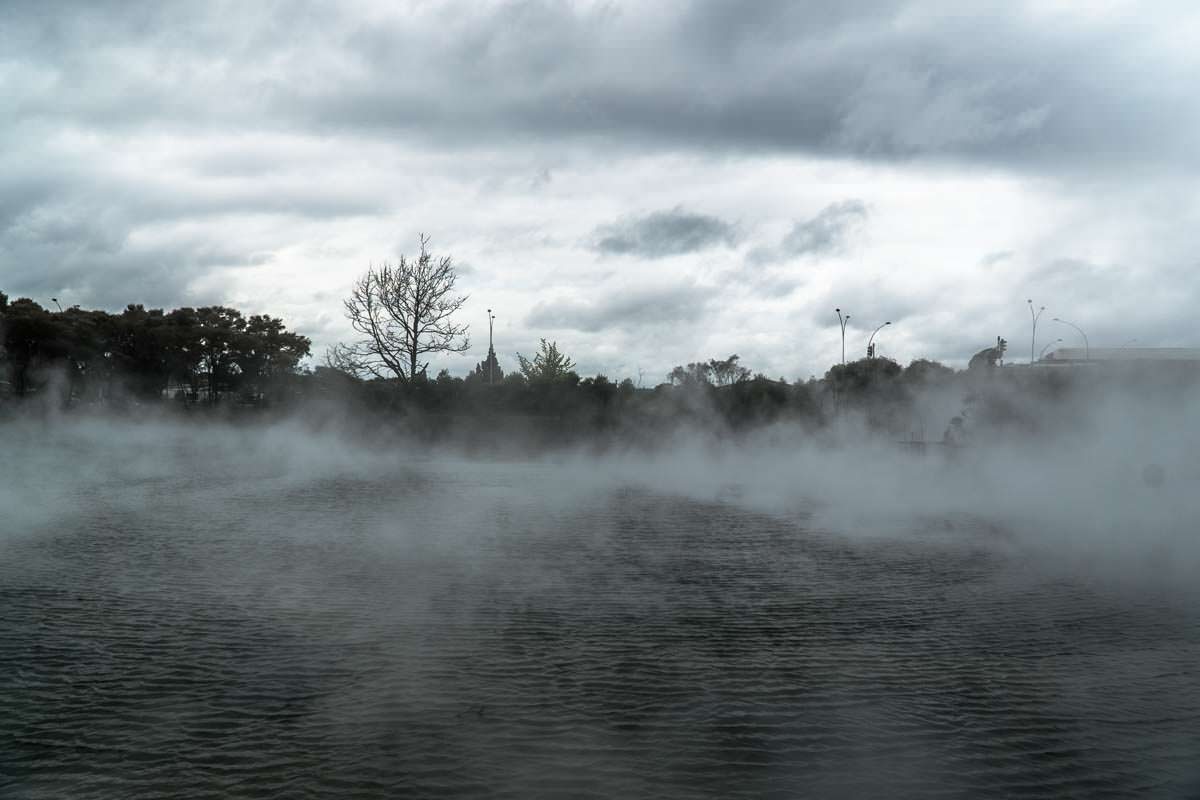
(763,613)
(1075,490)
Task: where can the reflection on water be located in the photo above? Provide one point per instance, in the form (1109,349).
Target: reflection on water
(465,630)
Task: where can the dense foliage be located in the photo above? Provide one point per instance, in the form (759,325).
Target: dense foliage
(142,355)
(217,358)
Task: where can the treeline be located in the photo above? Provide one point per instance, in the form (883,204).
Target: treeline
(404,314)
(218,357)
(547,400)
(191,355)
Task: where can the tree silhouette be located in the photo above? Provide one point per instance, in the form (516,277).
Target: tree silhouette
(267,351)
(728,371)
(219,331)
(487,371)
(404,311)
(549,364)
(31,336)
(139,352)
(697,372)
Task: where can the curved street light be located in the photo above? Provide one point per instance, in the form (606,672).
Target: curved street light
(1086,349)
(870,342)
(1047,344)
(842,320)
(1033,338)
(55,301)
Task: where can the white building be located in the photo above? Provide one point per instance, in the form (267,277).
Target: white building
(1108,355)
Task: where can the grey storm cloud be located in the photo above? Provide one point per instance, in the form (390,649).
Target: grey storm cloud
(623,310)
(149,150)
(825,233)
(879,79)
(97,265)
(664,233)
(885,79)
(100,239)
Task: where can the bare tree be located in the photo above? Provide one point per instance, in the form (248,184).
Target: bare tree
(404,311)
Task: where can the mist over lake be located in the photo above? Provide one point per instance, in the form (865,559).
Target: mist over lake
(599,399)
(215,611)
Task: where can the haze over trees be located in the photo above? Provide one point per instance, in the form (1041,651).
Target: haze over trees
(217,357)
(405,314)
(714,371)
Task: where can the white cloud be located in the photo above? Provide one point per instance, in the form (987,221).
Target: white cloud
(263,157)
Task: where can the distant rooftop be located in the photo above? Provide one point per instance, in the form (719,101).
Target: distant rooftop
(1125,354)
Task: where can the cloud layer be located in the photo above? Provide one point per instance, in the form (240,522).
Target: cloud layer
(620,311)
(702,170)
(1005,82)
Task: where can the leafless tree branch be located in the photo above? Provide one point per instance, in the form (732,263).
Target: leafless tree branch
(404,311)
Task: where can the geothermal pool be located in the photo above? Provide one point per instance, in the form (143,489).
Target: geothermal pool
(188,627)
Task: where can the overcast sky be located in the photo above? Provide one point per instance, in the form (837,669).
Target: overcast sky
(647,183)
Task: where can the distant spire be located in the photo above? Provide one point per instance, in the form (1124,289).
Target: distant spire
(491,359)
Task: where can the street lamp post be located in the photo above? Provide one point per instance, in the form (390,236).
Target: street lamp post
(842,320)
(1086,349)
(491,351)
(1033,338)
(55,301)
(871,341)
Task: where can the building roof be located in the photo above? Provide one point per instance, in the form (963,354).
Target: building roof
(1124,354)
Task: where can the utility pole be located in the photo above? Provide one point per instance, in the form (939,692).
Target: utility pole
(1087,350)
(1033,338)
(842,321)
(491,351)
(871,341)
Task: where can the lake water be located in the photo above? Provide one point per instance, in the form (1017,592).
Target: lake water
(196,626)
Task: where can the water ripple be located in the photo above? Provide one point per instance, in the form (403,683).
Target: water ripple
(464,639)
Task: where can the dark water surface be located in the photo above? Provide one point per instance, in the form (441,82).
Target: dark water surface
(481,629)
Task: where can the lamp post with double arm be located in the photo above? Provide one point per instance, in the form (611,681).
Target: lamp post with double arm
(1033,338)
(491,351)
(842,320)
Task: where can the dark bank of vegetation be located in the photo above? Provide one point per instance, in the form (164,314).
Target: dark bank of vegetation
(77,356)
(218,361)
